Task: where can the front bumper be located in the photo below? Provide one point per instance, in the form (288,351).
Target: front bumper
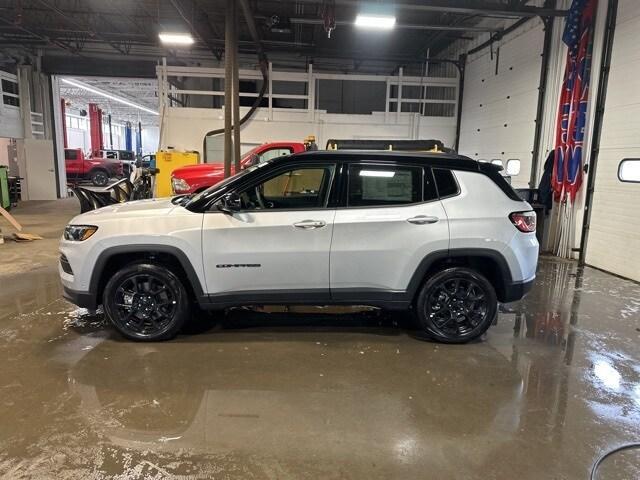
(82,299)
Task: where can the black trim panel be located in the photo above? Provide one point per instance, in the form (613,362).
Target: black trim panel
(269,297)
(516,291)
(81,299)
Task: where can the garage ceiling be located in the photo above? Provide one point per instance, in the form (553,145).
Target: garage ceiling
(142,92)
(293,33)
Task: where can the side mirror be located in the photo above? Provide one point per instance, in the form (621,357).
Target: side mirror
(230,203)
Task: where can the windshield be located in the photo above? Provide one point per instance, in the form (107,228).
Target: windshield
(211,191)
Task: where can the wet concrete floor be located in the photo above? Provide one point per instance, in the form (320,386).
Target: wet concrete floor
(552,386)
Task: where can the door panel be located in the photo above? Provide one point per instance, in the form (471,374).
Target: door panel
(381,247)
(264,250)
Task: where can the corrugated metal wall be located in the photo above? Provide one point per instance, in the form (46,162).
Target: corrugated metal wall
(499,109)
(614,238)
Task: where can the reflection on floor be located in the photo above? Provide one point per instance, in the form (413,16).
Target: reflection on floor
(555,383)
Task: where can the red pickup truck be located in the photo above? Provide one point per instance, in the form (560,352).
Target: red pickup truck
(98,170)
(195,178)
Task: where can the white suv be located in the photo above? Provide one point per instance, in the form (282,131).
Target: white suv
(440,234)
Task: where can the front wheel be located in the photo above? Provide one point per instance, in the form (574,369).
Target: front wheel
(146,302)
(456,305)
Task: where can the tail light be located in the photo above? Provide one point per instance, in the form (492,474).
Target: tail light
(524,221)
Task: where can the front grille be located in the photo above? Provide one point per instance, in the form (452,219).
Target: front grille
(64,263)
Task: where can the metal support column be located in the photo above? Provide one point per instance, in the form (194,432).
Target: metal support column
(63,114)
(110,131)
(236,92)
(542,89)
(603,80)
(128,140)
(462,63)
(228,87)
(95,127)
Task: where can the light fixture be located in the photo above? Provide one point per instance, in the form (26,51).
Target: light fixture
(176,38)
(377,173)
(383,22)
(83,86)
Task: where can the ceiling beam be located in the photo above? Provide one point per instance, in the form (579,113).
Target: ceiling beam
(199,23)
(408,26)
(466,7)
(78,24)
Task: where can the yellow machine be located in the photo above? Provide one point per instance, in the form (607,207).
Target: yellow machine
(167,162)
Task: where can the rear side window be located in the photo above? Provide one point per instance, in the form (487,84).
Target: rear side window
(446,182)
(379,185)
(71,154)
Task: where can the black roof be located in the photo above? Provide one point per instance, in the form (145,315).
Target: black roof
(436,159)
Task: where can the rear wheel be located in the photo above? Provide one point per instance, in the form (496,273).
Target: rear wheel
(456,305)
(99,178)
(146,302)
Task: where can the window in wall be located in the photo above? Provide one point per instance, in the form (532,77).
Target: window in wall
(379,185)
(10,93)
(446,182)
(353,97)
(629,170)
(298,188)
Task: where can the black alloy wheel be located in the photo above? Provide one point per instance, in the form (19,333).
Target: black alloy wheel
(100,178)
(456,305)
(146,302)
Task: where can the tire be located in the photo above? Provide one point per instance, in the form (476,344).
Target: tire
(456,305)
(100,178)
(146,302)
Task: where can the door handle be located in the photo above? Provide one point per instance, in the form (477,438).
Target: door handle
(422,220)
(310,224)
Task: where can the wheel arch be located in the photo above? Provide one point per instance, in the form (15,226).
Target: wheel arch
(490,263)
(113,258)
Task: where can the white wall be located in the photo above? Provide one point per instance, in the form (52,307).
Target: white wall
(184,128)
(499,110)
(10,120)
(150,139)
(4,153)
(614,237)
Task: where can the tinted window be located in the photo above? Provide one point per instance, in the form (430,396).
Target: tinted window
(374,185)
(297,188)
(430,192)
(446,182)
(71,154)
(126,155)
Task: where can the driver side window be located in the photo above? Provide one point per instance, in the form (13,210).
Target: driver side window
(297,188)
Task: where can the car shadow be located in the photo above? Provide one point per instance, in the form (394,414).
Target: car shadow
(246,320)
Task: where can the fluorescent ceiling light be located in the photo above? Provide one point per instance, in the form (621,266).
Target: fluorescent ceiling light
(385,22)
(86,87)
(377,173)
(176,38)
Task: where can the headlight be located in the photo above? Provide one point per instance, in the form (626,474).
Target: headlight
(79,233)
(179,185)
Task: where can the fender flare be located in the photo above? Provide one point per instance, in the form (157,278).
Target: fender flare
(185,263)
(453,253)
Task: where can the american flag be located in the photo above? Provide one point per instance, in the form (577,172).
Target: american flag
(577,35)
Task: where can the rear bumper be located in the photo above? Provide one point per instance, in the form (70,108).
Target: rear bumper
(82,299)
(516,291)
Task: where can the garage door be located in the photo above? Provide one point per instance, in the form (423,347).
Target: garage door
(614,237)
(499,109)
